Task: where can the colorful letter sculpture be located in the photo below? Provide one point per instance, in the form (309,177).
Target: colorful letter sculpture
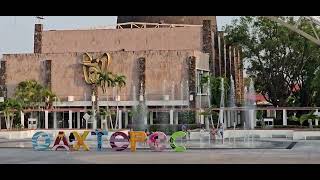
(61,142)
(173,138)
(157,141)
(41,147)
(113,141)
(99,137)
(80,140)
(136,136)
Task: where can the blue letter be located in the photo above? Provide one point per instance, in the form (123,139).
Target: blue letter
(41,147)
(99,137)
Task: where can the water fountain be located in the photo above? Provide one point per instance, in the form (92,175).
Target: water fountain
(134,107)
(164,116)
(251,105)
(232,103)
(209,102)
(172,118)
(222,105)
(139,111)
(221,118)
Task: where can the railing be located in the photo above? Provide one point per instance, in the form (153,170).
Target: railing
(125,97)
(139,25)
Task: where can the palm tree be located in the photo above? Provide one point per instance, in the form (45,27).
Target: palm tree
(49,97)
(9,109)
(120,82)
(105,80)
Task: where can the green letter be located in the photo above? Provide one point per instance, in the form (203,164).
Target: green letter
(173,138)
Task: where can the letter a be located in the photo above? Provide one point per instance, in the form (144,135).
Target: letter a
(61,142)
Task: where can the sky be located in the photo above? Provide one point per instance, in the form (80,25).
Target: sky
(16,32)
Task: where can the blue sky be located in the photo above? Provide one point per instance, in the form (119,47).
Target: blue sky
(16,32)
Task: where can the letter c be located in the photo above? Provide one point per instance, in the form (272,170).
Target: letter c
(172,141)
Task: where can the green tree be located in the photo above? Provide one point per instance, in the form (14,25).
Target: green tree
(278,58)
(32,94)
(49,97)
(10,108)
(315,85)
(120,81)
(304,117)
(105,80)
(29,93)
(108,79)
(215,88)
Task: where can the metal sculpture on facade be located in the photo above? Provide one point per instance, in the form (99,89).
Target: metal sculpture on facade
(92,67)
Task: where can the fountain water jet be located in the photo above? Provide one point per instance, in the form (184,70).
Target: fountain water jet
(139,111)
(221,118)
(232,102)
(251,106)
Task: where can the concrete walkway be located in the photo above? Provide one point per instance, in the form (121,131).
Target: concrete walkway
(305,152)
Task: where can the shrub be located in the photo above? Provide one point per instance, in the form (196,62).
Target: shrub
(170,128)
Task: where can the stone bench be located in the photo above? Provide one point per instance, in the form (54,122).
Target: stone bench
(279,136)
(312,138)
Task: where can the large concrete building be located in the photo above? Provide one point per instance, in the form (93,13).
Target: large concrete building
(162,57)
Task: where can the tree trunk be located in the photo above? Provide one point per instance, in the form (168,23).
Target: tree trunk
(7,123)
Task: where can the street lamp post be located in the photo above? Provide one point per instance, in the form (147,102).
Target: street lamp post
(94,126)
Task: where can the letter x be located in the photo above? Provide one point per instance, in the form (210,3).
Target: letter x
(80,140)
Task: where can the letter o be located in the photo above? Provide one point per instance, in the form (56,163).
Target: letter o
(113,141)
(157,141)
(41,147)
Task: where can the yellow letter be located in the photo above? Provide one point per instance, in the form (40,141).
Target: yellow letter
(80,140)
(136,136)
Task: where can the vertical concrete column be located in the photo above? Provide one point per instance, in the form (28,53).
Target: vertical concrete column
(78,120)
(120,119)
(171,116)
(54,120)
(3,85)
(38,28)
(142,77)
(126,119)
(207,45)
(221,49)
(176,117)
(284,117)
(201,118)
(145,120)
(70,120)
(21,120)
(192,83)
(46,119)
(151,117)
(228,118)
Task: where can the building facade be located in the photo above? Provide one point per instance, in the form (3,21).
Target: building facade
(163,63)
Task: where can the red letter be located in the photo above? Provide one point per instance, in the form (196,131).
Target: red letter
(58,144)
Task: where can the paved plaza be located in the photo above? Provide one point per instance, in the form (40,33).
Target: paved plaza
(302,152)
